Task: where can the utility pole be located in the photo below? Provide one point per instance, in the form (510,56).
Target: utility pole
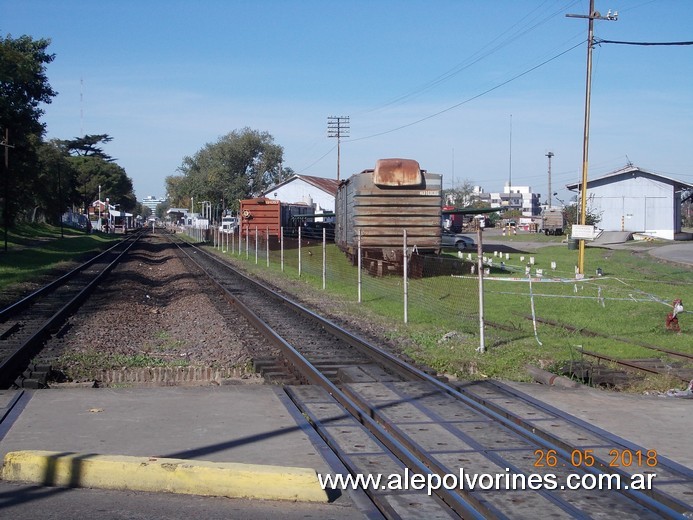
(6,206)
(549,155)
(338,126)
(592,16)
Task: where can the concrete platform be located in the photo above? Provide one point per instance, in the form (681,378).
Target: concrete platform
(652,422)
(251,425)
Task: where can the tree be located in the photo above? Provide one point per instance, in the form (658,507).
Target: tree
(239,165)
(461,195)
(54,189)
(572,216)
(87,146)
(23,87)
(93,171)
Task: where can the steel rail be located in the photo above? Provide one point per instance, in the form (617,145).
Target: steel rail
(42,291)
(313,376)
(15,362)
(593,333)
(663,506)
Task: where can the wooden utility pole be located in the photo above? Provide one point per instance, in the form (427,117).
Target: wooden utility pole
(338,126)
(6,182)
(592,16)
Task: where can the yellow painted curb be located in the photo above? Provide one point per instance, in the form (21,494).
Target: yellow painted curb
(194,477)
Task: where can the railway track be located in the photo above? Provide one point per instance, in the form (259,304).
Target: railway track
(383,416)
(25,325)
(650,366)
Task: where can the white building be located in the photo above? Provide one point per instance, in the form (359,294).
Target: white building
(152,202)
(317,192)
(519,198)
(637,200)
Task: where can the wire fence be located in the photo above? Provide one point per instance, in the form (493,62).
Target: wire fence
(443,291)
(430,289)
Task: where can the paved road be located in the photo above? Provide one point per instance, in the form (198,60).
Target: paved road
(680,252)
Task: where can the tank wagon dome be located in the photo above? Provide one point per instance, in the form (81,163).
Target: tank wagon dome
(397,172)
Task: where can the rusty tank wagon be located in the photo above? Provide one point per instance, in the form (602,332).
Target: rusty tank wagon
(378,204)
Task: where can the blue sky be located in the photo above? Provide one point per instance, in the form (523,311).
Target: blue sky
(478,91)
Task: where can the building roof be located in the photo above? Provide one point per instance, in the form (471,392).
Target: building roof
(633,171)
(327,185)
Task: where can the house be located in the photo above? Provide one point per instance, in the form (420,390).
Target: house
(317,192)
(637,200)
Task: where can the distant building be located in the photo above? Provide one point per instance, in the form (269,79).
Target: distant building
(518,198)
(152,202)
(637,200)
(317,192)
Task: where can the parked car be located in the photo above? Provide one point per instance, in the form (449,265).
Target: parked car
(450,240)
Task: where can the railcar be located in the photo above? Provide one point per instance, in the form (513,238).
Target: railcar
(378,204)
(268,216)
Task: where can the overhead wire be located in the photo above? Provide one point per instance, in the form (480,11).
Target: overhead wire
(477,56)
(477,96)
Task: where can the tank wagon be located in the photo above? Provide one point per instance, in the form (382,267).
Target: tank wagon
(268,215)
(380,204)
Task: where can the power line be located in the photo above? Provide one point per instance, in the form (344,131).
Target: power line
(431,116)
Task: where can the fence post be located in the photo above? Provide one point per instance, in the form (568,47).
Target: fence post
(257,237)
(324,258)
(359,265)
(281,247)
(267,246)
(480,265)
(299,251)
(404,281)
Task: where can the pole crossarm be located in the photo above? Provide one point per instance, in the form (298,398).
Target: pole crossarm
(338,126)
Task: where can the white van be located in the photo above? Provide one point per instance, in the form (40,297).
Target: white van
(228,225)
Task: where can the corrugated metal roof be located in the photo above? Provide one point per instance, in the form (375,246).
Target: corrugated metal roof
(327,185)
(631,169)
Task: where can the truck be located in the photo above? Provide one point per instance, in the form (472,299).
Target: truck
(228,224)
(553,221)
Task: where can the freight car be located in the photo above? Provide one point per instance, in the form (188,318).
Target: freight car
(380,204)
(268,216)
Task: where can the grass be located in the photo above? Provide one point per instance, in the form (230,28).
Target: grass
(630,299)
(36,250)
(80,365)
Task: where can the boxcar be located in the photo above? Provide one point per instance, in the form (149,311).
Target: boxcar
(268,215)
(380,204)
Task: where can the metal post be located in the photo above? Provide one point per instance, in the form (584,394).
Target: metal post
(549,155)
(257,236)
(267,246)
(281,247)
(480,267)
(404,280)
(299,251)
(324,258)
(359,266)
